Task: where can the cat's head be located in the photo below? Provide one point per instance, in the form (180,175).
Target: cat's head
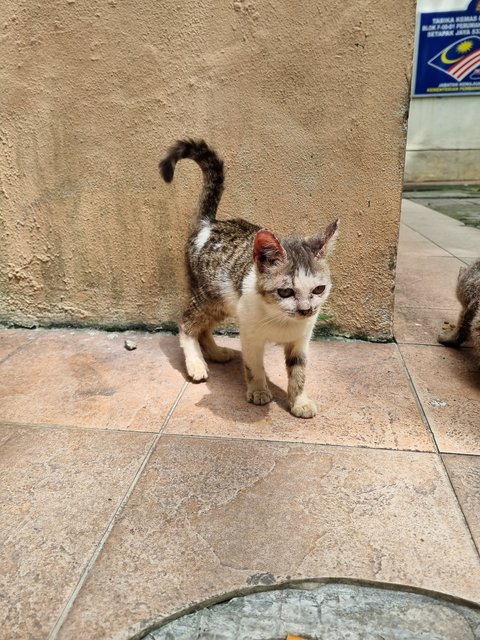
(293,273)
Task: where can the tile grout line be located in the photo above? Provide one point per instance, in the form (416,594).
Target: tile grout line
(70,427)
(19,349)
(363,447)
(439,454)
(464,517)
(301,443)
(416,344)
(26,425)
(418,402)
(430,308)
(437,345)
(101,543)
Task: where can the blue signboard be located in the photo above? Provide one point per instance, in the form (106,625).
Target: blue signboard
(447,60)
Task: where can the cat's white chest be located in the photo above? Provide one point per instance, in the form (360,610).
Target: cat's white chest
(294,331)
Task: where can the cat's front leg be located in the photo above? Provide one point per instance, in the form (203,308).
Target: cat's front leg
(296,360)
(252,354)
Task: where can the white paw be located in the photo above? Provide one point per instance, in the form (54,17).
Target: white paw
(259,396)
(223,354)
(303,408)
(197,369)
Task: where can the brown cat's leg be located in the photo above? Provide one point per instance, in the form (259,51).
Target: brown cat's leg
(460,333)
(296,359)
(211,349)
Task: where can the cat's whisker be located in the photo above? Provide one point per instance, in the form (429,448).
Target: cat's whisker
(277,319)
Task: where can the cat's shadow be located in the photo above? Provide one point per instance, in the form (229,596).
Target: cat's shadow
(225,394)
(465,365)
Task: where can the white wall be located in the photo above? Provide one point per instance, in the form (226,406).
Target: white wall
(424,6)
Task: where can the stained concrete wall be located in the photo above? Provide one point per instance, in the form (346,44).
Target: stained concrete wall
(443,143)
(305,101)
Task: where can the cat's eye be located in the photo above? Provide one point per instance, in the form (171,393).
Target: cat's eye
(318,290)
(285,293)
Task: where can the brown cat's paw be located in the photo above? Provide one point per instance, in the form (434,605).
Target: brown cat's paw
(259,396)
(303,408)
(197,370)
(448,338)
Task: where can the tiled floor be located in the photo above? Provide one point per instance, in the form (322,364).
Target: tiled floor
(128,494)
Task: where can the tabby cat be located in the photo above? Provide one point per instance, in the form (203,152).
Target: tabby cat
(274,287)
(468,325)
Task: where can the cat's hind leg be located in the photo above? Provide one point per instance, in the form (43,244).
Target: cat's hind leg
(211,350)
(194,361)
(192,326)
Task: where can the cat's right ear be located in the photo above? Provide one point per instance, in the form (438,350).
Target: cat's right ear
(266,249)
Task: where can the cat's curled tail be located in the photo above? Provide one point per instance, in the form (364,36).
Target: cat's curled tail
(211,166)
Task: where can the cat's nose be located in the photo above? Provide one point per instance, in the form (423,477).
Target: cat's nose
(305,312)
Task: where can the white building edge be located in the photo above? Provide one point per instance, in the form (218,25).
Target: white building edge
(443,143)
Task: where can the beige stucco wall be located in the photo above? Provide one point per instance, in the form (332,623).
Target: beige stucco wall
(306,101)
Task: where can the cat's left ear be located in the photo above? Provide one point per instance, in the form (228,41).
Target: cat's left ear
(323,245)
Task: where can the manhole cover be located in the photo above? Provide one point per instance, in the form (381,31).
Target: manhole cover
(328,612)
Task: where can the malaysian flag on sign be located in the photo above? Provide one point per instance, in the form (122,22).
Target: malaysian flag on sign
(459,59)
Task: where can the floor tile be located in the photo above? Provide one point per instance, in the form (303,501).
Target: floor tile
(12,340)
(59,489)
(465,210)
(422,326)
(451,235)
(448,384)
(88,379)
(361,391)
(427,282)
(464,472)
(210,517)
(412,243)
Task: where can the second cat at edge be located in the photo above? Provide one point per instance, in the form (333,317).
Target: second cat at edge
(275,287)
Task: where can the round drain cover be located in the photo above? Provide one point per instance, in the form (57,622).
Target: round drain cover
(328,612)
